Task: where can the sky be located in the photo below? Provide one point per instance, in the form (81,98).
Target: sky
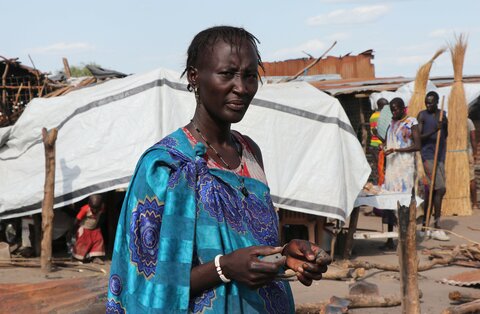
(139,36)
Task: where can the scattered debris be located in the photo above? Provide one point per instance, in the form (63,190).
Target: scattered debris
(336,304)
(35,262)
(363,287)
(470,307)
(464,296)
(470,278)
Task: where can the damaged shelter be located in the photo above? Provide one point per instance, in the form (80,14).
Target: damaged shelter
(19,85)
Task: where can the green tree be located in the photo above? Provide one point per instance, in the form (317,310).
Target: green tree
(81,70)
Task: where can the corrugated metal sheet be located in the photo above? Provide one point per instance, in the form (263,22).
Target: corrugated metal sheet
(469,278)
(349,66)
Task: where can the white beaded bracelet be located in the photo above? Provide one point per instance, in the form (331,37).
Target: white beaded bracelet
(219,269)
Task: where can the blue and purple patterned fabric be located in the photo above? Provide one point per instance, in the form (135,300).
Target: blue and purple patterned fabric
(179,213)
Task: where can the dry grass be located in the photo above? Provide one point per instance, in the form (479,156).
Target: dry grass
(457,198)
(417,102)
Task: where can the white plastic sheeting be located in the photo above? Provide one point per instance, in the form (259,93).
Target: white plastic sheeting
(313,160)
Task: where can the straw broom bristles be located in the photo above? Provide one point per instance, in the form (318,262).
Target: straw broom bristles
(457,198)
(417,103)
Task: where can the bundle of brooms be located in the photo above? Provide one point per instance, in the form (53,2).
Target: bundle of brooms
(457,198)
(417,104)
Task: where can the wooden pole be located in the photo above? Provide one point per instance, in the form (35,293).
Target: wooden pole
(434,171)
(4,83)
(352,228)
(18,94)
(67,68)
(407,256)
(49,139)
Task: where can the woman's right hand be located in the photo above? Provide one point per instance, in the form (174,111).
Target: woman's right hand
(245,267)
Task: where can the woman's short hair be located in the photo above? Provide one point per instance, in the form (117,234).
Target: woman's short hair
(208,37)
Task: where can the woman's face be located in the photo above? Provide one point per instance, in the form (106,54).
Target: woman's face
(227,80)
(398,112)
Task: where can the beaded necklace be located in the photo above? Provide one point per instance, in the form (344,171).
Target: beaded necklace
(243,189)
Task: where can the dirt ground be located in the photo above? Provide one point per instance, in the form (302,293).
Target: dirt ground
(435,293)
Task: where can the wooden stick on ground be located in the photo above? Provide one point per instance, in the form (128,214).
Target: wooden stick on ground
(334,273)
(470,307)
(357,301)
(49,139)
(464,296)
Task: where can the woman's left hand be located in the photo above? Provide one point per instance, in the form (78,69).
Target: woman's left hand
(389,151)
(307,259)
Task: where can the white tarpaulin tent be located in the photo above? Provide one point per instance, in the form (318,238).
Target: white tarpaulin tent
(313,160)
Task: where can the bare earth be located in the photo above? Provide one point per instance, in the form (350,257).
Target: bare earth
(435,294)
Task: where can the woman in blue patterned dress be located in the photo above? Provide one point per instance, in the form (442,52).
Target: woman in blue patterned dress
(198,218)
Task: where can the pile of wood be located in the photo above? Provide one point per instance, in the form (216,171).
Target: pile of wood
(467,255)
(469,302)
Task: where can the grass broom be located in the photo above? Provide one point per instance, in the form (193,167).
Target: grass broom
(417,102)
(457,199)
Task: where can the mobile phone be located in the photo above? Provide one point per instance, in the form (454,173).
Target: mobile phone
(271,258)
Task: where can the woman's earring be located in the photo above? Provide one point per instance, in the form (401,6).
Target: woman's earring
(197,95)
(189,87)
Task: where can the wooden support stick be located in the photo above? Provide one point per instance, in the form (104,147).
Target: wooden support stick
(18,94)
(49,139)
(407,257)
(4,83)
(434,171)
(68,73)
(30,94)
(352,228)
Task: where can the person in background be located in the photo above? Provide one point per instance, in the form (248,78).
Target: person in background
(472,156)
(376,141)
(89,243)
(429,126)
(403,140)
(198,220)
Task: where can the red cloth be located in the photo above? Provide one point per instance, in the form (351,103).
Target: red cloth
(89,243)
(381,167)
(83,212)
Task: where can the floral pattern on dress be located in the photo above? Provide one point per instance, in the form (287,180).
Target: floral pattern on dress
(202,302)
(274,296)
(145,234)
(114,307)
